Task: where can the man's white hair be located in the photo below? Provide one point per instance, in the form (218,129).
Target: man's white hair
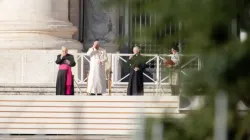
(136,47)
(64,47)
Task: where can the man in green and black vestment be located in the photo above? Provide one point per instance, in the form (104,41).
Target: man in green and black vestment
(137,66)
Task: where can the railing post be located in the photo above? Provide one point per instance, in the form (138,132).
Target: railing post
(76,77)
(112,67)
(54,69)
(115,68)
(118,68)
(87,84)
(158,70)
(83,71)
(108,71)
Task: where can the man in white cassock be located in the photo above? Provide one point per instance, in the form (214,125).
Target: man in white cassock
(97,75)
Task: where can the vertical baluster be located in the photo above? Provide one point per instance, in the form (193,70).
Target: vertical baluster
(76,77)
(158,72)
(82,68)
(112,67)
(87,83)
(54,68)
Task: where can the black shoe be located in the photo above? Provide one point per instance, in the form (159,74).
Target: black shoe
(99,94)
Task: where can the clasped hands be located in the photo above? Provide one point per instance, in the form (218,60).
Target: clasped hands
(65,61)
(100,62)
(136,69)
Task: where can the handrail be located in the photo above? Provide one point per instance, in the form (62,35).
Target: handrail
(158,79)
(87,83)
(27,68)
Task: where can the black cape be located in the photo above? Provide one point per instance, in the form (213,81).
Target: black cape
(135,83)
(62,75)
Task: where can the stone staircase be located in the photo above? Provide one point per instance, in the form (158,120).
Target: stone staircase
(21,117)
(50,90)
(83,115)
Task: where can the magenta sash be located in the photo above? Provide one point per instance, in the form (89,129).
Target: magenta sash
(69,77)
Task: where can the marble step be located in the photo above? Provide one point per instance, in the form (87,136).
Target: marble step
(114,115)
(65,137)
(77,94)
(48,90)
(53,86)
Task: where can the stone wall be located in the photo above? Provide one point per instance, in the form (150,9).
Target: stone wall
(74,13)
(100,23)
(30,67)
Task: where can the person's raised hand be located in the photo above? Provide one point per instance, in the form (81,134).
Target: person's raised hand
(63,54)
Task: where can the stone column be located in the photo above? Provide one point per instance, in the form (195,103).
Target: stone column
(31,33)
(35,24)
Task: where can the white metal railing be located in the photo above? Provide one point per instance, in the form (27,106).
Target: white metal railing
(26,68)
(40,68)
(159,75)
(118,78)
(82,68)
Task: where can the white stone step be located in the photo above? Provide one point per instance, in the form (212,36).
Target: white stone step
(64,137)
(102,115)
(84,89)
(76,94)
(169,104)
(134,99)
(50,90)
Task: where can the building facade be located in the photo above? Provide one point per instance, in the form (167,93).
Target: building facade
(49,24)
(32,27)
(112,25)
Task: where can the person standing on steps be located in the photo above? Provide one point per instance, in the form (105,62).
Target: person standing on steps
(137,66)
(174,65)
(65,80)
(97,75)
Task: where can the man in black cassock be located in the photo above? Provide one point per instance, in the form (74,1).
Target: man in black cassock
(65,80)
(137,66)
